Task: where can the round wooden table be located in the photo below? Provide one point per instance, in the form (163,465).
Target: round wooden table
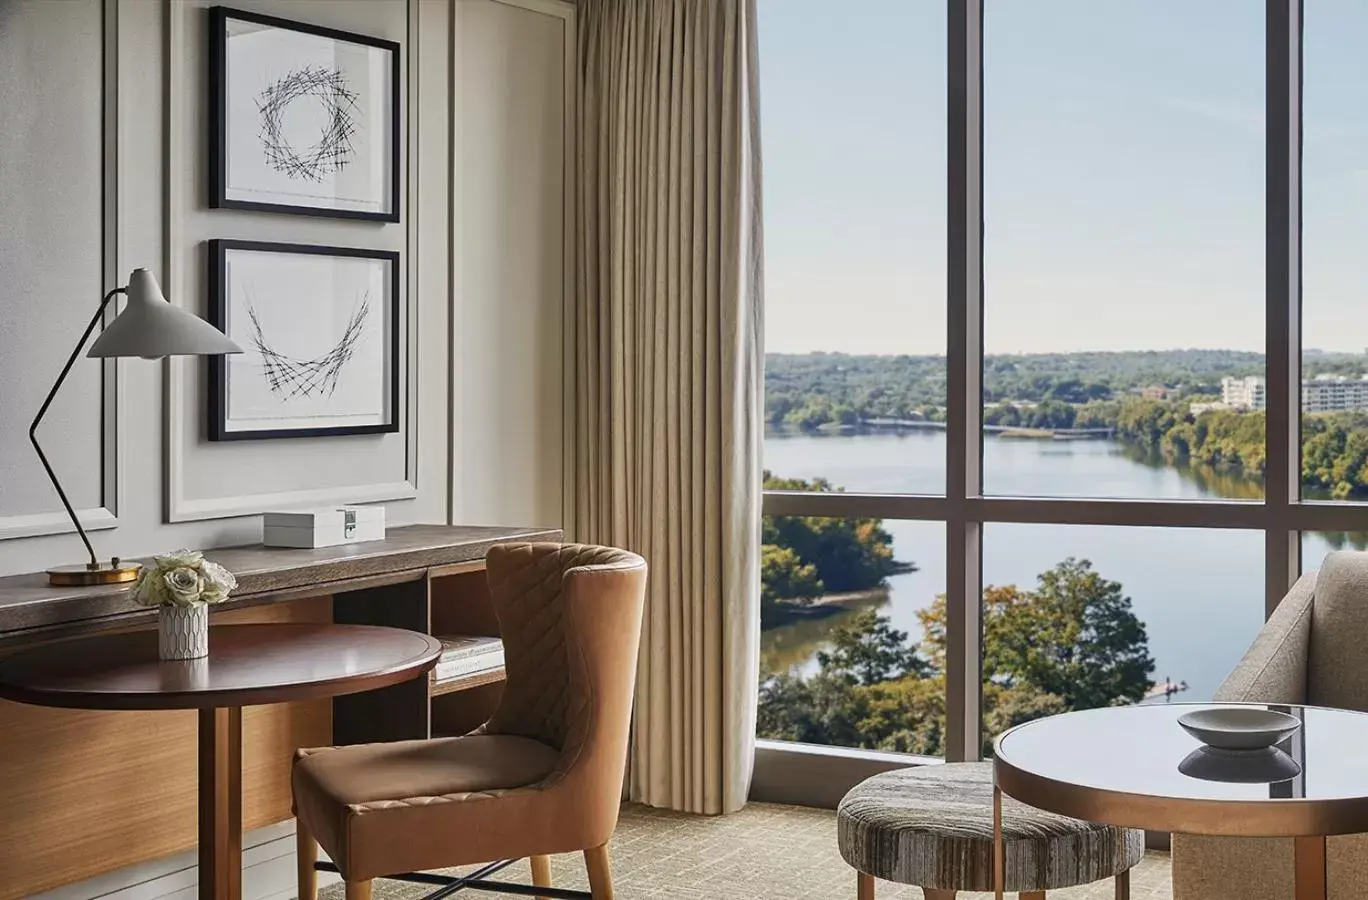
(247,665)
(1134,766)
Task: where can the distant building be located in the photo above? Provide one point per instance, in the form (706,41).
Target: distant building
(1331,393)
(1249,392)
(1154,392)
(1324,393)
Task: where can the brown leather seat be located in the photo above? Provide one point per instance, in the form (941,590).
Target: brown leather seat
(542,776)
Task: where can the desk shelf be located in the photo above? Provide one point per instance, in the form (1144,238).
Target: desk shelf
(465,682)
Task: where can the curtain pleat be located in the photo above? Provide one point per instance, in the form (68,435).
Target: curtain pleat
(665,371)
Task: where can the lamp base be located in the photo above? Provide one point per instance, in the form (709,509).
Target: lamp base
(114,572)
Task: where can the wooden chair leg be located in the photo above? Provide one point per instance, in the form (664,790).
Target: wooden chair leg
(541,872)
(938,894)
(358,890)
(600,873)
(864,886)
(1123,886)
(306,854)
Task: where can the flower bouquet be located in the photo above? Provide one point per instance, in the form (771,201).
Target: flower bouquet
(181,585)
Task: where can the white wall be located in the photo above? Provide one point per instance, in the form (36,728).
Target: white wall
(484,262)
(514,66)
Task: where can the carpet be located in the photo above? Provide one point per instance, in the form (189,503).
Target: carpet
(764,852)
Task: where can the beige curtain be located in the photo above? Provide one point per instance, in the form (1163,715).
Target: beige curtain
(665,371)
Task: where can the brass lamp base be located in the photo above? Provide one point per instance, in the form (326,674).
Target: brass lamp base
(113,572)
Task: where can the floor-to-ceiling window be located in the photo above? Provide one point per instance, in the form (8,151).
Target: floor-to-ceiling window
(1049,422)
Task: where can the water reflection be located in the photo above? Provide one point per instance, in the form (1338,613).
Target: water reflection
(1267,766)
(787,647)
(1225,483)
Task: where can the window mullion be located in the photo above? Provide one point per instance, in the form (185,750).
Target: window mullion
(964,403)
(1283,293)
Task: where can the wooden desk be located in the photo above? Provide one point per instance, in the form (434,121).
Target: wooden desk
(77,794)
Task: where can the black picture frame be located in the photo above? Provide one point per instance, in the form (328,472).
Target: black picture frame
(218,116)
(217,378)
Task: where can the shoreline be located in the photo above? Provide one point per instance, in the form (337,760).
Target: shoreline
(787,612)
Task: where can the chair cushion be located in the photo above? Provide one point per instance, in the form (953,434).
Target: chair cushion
(933,826)
(403,770)
(334,786)
(1336,675)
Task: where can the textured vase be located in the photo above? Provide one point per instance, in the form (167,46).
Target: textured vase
(183,631)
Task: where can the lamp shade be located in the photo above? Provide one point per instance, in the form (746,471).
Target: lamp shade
(152,328)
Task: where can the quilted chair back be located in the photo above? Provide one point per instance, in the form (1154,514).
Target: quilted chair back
(570,617)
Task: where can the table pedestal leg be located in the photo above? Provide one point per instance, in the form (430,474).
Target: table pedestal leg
(999,850)
(1309,856)
(220,804)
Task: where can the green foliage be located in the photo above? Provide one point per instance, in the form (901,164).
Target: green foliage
(1335,453)
(1072,643)
(1073,637)
(823,390)
(803,557)
(784,576)
(868,650)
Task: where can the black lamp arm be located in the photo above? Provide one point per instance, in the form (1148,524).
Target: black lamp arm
(42,410)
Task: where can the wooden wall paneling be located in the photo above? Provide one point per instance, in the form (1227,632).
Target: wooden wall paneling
(87,792)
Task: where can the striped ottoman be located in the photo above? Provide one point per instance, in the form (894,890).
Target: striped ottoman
(933,826)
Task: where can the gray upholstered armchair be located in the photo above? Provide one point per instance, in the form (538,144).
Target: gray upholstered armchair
(1313,650)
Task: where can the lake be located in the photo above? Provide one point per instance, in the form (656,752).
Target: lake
(1198,591)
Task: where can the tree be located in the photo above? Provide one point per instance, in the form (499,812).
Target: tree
(784,576)
(1074,637)
(850,554)
(869,650)
(1071,643)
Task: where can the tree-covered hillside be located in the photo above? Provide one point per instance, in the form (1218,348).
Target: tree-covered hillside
(811,390)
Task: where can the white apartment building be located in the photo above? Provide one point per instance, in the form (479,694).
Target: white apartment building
(1324,393)
(1249,392)
(1328,393)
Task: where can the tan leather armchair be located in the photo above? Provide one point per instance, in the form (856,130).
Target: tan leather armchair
(1311,651)
(543,775)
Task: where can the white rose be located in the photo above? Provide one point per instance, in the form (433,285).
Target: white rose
(150,588)
(218,582)
(178,559)
(184,586)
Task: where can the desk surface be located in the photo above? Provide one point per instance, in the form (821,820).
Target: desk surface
(28,602)
(247,665)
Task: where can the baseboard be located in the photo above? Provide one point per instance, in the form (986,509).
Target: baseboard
(268,873)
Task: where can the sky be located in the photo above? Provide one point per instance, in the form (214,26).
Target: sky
(1123,175)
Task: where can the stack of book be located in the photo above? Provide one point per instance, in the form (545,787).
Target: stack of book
(463,656)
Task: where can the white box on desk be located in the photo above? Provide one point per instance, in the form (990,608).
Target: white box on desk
(312,528)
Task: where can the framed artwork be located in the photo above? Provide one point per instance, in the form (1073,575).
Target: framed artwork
(302,119)
(319,329)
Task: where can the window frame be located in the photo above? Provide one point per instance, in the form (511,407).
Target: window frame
(1282,515)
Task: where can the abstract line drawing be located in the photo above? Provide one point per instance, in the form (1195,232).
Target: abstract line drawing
(333,150)
(288,377)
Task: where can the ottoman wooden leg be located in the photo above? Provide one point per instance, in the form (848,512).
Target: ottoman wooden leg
(1123,886)
(1031,895)
(937,894)
(864,886)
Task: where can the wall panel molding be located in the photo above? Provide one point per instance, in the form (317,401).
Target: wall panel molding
(477,288)
(179,438)
(104,516)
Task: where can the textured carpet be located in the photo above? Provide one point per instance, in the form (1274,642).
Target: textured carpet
(764,852)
